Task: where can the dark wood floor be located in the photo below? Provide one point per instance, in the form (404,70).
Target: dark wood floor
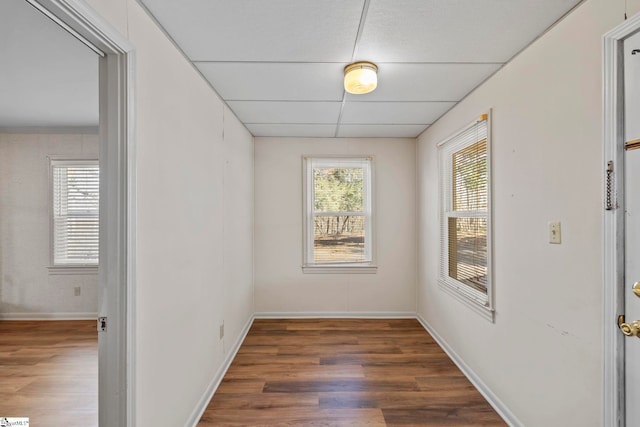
(344,372)
(49,372)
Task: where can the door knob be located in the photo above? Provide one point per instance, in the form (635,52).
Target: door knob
(629,329)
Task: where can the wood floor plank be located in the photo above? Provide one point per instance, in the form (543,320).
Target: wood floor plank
(333,349)
(274,359)
(345,372)
(278,417)
(254,385)
(459,416)
(368,359)
(264,400)
(293,372)
(399,399)
(339,385)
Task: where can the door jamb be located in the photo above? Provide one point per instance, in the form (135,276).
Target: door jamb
(613,221)
(117,205)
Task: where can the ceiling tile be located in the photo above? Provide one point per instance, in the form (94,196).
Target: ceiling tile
(454,30)
(275,81)
(307,130)
(257,30)
(393,112)
(286,111)
(426,82)
(380,131)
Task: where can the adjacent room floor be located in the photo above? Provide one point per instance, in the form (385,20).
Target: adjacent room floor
(49,372)
(345,372)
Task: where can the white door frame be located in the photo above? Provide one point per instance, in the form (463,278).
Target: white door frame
(613,222)
(117,205)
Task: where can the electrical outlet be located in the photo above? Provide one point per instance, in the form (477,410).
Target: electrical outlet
(76,291)
(222,330)
(554,232)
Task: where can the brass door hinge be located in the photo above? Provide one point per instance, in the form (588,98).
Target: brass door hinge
(632,145)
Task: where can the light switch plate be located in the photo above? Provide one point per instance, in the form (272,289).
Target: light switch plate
(554,232)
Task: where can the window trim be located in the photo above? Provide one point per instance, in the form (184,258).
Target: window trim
(368,267)
(481,303)
(62,269)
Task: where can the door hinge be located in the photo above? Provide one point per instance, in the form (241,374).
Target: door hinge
(102,324)
(632,145)
(620,320)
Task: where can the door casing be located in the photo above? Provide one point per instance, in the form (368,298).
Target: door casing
(613,221)
(116,298)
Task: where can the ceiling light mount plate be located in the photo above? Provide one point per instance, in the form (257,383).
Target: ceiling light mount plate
(360,77)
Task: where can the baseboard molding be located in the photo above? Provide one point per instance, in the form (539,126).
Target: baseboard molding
(48,316)
(337,315)
(493,400)
(192,421)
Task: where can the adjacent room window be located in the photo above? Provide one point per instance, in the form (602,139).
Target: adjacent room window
(338,215)
(75,197)
(465,216)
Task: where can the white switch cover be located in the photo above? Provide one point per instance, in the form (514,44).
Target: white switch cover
(554,232)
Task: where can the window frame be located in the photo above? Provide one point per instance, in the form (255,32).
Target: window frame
(478,301)
(70,268)
(308,266)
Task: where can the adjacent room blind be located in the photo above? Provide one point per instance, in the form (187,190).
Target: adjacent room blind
(464,215)
(75,212)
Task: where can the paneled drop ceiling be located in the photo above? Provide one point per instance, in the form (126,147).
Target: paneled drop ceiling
(279,63)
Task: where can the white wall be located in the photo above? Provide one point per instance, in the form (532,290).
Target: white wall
(542,357)
(27,289)
(194,231)
(238,226)
(280,285)
(184,288)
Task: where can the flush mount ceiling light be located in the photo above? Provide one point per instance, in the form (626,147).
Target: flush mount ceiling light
(360,77)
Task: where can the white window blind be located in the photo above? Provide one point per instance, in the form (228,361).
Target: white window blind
(465,213)
(338,211)
(75,212)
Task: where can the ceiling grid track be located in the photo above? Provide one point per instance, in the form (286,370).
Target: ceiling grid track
(363,18)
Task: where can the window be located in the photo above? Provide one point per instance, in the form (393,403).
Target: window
(338,215)
(75,198)
(465,218)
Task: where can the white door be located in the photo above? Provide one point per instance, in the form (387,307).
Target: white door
(632,226)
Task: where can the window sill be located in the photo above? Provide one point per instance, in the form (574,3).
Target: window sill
(72,269)
(340,269)
(477,303)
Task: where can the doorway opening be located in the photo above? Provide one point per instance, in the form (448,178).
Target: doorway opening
(116,273)
(48,220)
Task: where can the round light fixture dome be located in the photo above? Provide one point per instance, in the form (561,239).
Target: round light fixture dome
(360,77)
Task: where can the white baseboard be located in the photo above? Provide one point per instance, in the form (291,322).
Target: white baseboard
(48,316)
(493,400)
(192,421)
(337,315)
